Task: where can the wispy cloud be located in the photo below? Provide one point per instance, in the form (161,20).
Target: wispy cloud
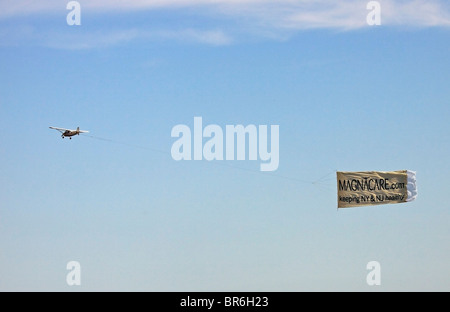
(211,37)
(259,18)
(66,40)
(418,13)
(345,15)
(300,14)
(106,38)
(90,40)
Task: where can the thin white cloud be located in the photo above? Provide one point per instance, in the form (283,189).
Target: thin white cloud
(107,38)
(324,14)
(227,20)
(91,40)
(211,37)
(294,14)
(419,13)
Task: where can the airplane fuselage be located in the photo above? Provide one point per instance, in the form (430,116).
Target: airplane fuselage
(69,133)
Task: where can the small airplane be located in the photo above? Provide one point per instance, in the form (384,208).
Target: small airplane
(68,132)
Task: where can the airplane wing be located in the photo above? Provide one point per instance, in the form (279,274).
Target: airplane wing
(59,129)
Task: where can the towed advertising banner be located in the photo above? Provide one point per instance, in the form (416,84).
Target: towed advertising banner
(367,188)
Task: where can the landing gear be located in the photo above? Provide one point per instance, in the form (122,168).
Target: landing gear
(62,136)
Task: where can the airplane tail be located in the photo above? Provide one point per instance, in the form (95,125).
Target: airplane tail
(78,128)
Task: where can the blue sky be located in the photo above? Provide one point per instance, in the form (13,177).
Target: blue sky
(347,96)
